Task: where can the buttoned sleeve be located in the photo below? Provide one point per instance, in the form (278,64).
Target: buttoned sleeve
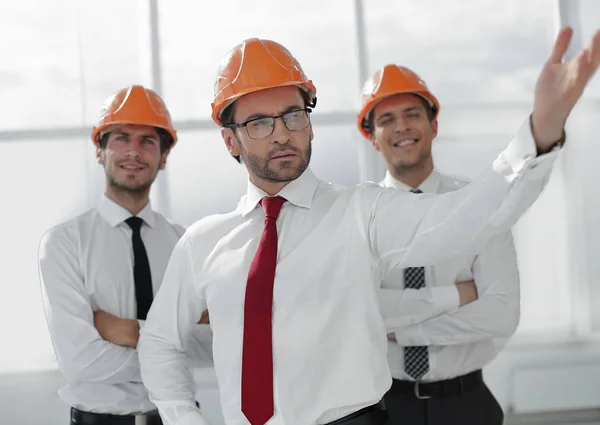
(406,229)
(173,317)
(495,314)
(81,352)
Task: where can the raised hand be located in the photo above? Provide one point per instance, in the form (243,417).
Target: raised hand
(559,87)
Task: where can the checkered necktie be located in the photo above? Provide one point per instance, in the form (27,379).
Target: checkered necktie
(416,359)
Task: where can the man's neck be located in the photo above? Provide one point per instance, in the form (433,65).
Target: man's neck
(413,177)
(270,188)
(133,202)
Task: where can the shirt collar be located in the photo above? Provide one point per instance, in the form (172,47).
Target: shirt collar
(299,192)
(429,185)
(115,214)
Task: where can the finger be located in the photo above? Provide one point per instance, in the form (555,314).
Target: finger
(583,61)
(583,68)
(594,52)
(563,39)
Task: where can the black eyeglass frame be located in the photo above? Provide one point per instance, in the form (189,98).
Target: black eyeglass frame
(245,123)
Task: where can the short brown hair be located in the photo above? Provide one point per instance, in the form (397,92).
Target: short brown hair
(165,139)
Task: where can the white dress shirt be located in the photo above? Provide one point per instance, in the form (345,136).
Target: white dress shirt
(336,244)
(463,339)
(86,264)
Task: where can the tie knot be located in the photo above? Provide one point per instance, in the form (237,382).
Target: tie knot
(272,205)
(416,191)
(135,223)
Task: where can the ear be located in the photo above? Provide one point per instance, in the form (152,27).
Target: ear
(99,156)
(230,141)
(163,160)
(434,127)
(375,143)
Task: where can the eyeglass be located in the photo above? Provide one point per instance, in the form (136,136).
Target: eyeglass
(259,128)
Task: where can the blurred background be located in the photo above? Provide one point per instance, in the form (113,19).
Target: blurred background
(60,59)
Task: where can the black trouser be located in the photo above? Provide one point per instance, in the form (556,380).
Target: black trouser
(471,406)
(370,415)
(79,417)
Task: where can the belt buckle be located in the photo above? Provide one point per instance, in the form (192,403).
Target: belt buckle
(418,392)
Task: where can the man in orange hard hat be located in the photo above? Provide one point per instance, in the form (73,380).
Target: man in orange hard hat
(100,270)
(455,312)
(290,276)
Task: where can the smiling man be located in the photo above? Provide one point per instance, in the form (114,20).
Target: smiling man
(457,310)
(100,270)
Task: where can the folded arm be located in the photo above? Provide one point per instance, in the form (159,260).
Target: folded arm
(495,313)
(406,307)
(81,352)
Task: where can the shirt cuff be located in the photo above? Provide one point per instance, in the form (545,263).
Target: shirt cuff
(521,153)
(193,417)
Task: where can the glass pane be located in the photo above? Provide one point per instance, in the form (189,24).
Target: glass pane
(469,140)
(39,70)
(45,183)
(583,209)
(63,58)
(114,51)
(483,51)
(589,12)
(196,35)
(203,179)
(335,154)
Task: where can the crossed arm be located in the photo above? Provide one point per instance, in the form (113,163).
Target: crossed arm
(90,344)
(493,314)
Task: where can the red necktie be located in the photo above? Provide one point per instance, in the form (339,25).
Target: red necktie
(257,352)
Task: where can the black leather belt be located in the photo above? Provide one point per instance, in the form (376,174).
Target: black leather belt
(80,417)
(438,389)
(370,415)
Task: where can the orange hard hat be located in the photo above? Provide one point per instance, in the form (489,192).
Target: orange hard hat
(255,65)
(134,105)
(390,80)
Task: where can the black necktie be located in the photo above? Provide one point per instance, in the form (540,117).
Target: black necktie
(141,269)
(416,359)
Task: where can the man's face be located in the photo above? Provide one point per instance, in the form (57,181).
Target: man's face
(281,156)
(402,131)
(132,157)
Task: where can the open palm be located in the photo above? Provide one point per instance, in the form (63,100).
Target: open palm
(560,85)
